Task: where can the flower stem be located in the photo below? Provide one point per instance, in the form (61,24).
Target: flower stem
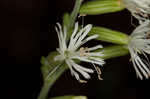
(75,12)
(50,80)
(44,91)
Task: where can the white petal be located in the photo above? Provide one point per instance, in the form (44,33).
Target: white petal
(86,75)
(84,68)
(100,62)
(72,42)
(98,54)
(137,71)
(81,35)
(78,44)
(95,47)
(140,65)
(71,69)
(61,36)
(92,37)
(60,31)
(84,32)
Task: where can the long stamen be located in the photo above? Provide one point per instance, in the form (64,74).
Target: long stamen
(98,72)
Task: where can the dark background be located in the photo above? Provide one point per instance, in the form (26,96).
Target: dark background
(27,33)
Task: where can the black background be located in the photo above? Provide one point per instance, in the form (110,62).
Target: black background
(27,33)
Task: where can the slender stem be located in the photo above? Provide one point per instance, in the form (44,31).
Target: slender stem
(51,80)
(75,12)
(44,91)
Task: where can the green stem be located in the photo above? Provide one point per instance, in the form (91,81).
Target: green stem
(56,74)
(75,12)
(50,80)
(44,91)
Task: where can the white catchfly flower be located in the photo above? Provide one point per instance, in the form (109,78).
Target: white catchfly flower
(139,47)
(70,51)
(140,9)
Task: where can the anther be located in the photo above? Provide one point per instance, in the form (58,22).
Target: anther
(82,81)
(147,35)
(84,51)
(99,73)
(119,2)
(99,77)
(80,15)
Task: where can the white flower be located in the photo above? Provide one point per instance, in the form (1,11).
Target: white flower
(140,9)
(139,47)
(69,51)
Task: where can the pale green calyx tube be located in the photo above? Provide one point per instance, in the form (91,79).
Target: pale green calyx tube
(100,7)
(110,36)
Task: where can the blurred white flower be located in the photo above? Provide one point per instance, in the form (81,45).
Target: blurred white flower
(140,9)
(139,47)
(70,51)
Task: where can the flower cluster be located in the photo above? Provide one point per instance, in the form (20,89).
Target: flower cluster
(72,50)
(139,42)
(138,45)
